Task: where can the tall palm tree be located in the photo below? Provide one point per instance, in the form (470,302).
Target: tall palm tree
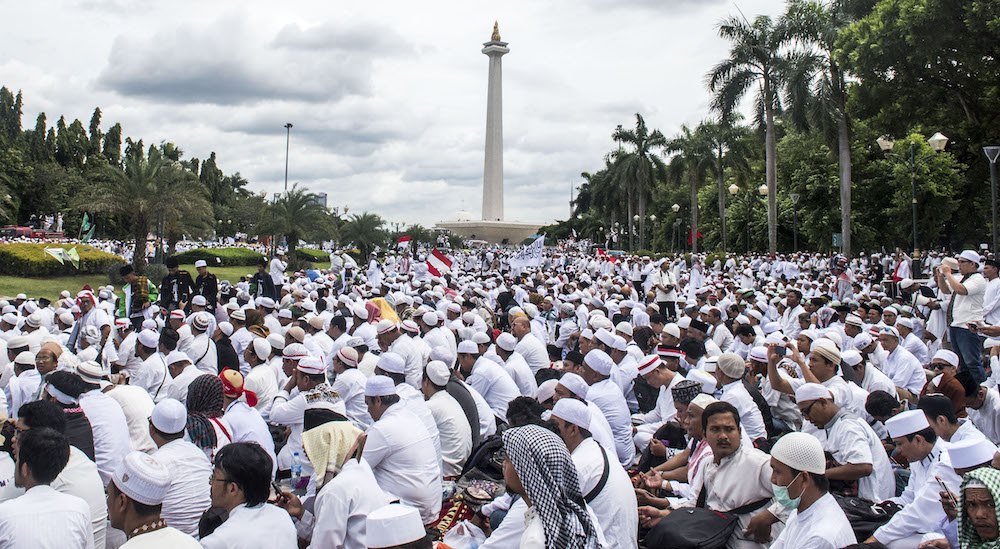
(817,88)
(641,167)
(364,231)
(147,190)
(692,158)
(297,215)
(756,61)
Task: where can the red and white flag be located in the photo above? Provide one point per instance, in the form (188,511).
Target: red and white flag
(438,263)
(403,242)
(604,255)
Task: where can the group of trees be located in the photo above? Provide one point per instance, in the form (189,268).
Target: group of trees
(825,81)
(133,191)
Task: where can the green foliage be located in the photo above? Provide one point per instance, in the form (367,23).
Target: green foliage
(296,215)
(365,232)
(312,255)
(31,260)
(220,256)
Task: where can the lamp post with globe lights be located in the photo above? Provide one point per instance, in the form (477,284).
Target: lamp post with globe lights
(937,142)
(795,220)
(734,190)
(635,227)
(993,153)
(652,232)
(677,225)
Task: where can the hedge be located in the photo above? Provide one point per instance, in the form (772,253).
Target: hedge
(227,257)
(22,259)
(311,255)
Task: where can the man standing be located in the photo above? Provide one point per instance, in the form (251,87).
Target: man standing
(261,284)
(666,290)
(278,266)
(965,309)
(991,297)
(206,285)
(176,287)
(136,296)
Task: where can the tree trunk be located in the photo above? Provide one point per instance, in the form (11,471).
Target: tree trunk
(771,153)
(642,222)
(693,183)
(139,254)
(722,201)
(844,146)
(631,239)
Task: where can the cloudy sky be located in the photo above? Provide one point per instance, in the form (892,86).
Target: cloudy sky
(387,98)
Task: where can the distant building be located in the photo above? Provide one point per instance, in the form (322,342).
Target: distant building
(321,199)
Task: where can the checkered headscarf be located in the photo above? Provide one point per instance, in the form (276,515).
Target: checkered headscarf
(549,477)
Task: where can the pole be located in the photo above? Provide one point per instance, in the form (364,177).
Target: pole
(748,224)
(795,228)
(993,192)
(288,138)
(913,192)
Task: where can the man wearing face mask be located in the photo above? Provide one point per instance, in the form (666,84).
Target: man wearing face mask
(798,479)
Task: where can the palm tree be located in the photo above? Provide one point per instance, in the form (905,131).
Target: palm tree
(817,89)
(692,159)
(365,232)
(755,61)
(640,167)
(298,215)
(730,144)
(147,190)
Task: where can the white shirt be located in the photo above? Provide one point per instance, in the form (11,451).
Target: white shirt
(137,406)
(991,302)
(413,367)
(246,425)
(852,441)
(164,538)
(188,496)
(341,509)
(45,519)
(263,526)
(750,417)
(350,385)
(203,354)
(968,308)
(80,478)
(111,435)
(615,505)
(178,387)
(905,370)
(822,526)
(261,381)
(875,380)
(494,383)
(22,389)
(152,376)
(987,417)
(533,351)
(520,372)
(608,397)
(454,431)
(922,512)
(402,457)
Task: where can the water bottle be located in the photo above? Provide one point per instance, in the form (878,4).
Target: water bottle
(296,471)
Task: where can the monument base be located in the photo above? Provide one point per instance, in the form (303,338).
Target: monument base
(494,232)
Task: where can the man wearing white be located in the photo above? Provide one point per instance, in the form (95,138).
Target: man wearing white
(608,397)
(454,430)
(187,495)
(135,498)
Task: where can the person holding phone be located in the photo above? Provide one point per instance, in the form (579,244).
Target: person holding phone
(966,308)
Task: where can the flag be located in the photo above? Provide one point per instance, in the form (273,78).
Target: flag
(438,263)
(403,242)
(56,253)
(689,236)
(529,256)
(73,256)
(603,254)
(574,233)
(85,226)
(89,234)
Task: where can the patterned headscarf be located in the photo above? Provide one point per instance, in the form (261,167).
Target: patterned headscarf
(967,535)
(374,312)
(549,477)
(204,401)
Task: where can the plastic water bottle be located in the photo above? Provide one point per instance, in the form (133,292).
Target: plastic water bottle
(296,471)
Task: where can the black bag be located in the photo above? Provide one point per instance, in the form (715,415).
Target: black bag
(864,516)
(698,527)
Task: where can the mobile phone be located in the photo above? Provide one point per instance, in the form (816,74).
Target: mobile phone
(780,350)
(277,489)
(947,491)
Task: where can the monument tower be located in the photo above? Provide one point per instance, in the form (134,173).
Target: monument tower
(493,166)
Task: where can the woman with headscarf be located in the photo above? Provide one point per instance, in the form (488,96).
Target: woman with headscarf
(348,491)
(206,428)
(539,469)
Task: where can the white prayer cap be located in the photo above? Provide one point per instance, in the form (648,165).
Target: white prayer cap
(34,320)
(605,337)
(672,329)
(742,319)
(169,416)
(707,380)
(546,390)
(143,479)
(226,328)
(506,341)
(149,338)
(890,330)
(454,308)
(812,391)
(378,386)
(430,318)
(971,452)
(199,300)
(11,318)
(392,525)
(990,343)
(904,322)
(64,294)
(948,356)
(827,349)
(409,326)
(801,452)
(360,311)
(862,341)
(587,334)
(393,363)
(238,314)
(703,400)
(906,423)
(177,356)
(854,320)
(285,313)
(90,371)
(276,341)
(384,326)
(835,338)
(480,338)
(710,364)
(756,314)
(732,365)
(624,328)
(770,327)
(311,365)
(575,384)
(261,348)
(468,347)
(971,255)
(599,361)
(66,318)
(200,263)
(684,322)
(572,411)
(201,321)
(758,353)
(851,357)
(813,335)
(438,373)
(267,302)
(648,364)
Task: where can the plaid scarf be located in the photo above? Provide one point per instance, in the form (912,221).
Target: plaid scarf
(967,536)
(549,478)
(204,401)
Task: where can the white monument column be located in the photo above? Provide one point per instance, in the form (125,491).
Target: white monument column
(493,168)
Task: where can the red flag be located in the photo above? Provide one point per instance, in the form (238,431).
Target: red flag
(403,242)
(603,254)
(438,263)
(689,236)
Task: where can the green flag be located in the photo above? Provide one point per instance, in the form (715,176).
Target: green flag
(86,223)
(73,256)
(89,234)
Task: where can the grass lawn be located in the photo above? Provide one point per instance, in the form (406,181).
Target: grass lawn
(50,287)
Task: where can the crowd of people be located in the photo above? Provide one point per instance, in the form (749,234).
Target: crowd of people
(791,401)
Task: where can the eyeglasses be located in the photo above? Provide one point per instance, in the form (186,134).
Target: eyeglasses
(939,365)
(805,413)
(211,479)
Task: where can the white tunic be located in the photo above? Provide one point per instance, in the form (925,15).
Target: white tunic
(519,371)
(454,431)
(45,519)
(350,385)
(987,416)
(851,441)
(921,512)
(188,496)
(533,351)
(341,509)
(494,383)
(608,397)
(615,505)
(263,526)
(111,435)
(164,538)
(80,478)
(822,526)
(750,417)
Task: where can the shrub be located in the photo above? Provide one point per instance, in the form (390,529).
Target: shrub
(23,259)
(155,273)
(311,255)
(223,257)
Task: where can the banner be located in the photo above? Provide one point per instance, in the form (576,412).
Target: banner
(403,242)
(529,256)
(56,253)
(438,263)
(73,256)
(62,254)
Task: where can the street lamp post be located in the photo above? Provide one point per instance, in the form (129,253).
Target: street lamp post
(635,225)
(795,220)
(992,153)
(937,142)
(652,232)
(288,138)
(677,224)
